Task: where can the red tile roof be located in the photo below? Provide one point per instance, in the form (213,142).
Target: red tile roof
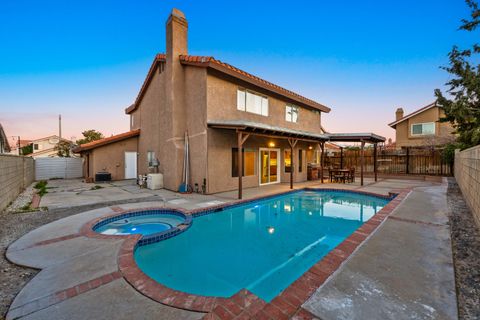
(431,105)
(105,141)
(211,62)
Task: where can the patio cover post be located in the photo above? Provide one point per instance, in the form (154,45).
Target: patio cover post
(341,157)
(362,161)
(292,143)
(240,141)
(322,159)
(375,160)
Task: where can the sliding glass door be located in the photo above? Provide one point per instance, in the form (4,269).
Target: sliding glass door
(269,165)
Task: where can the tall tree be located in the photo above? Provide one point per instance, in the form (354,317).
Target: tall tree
(462,103)
(63,148)
(89,136)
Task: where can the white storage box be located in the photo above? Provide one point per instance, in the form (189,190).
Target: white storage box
(155,181)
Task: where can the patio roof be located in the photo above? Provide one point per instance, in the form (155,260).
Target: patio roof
(262,128)
(356,137)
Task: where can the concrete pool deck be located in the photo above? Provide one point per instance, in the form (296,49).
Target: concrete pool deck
(404,270)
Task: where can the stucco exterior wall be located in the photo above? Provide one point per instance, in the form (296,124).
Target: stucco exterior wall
(111,158)
(16,173)
(443,130)
(222,105)
(467,174)
(163,126)
(220,144)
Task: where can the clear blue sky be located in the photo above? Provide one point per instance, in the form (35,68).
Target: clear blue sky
(87,59)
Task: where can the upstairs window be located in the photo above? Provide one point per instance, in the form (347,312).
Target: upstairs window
(252,102)
(423,129)
(35,146)
(291,113)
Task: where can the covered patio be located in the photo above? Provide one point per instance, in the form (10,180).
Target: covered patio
(246,129)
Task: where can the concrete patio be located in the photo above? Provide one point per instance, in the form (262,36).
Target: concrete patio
(403,270)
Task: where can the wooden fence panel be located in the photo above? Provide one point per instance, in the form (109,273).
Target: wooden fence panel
(415,162)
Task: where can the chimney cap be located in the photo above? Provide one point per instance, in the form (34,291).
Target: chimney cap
(399,109)
(177,13)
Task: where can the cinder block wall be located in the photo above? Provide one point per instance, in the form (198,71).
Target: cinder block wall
(467,174)
(16,173)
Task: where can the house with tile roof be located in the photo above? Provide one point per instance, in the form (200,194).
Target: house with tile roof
(422,127)
(224,110)
(45,147)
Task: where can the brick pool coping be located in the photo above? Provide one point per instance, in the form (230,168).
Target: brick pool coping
(244,304)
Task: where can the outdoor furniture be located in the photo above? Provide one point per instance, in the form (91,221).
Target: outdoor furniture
(339,175)
(351,175)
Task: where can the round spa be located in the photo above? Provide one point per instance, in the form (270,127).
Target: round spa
(145,222)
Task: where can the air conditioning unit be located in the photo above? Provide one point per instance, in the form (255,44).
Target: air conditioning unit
(155,181)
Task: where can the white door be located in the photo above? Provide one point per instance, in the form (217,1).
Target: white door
(130,165)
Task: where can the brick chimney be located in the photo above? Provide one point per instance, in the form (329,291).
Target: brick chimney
(398,114)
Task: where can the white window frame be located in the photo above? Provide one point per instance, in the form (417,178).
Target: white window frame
(243,98)
(422,124)
(290,110)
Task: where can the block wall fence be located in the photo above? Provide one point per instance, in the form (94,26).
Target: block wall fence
(467,174)
(16,173)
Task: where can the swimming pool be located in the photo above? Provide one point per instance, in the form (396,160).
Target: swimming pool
(262,246)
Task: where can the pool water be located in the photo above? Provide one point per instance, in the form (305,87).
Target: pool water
(262,246)
(143,224)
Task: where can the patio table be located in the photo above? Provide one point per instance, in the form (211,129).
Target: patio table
(344,172)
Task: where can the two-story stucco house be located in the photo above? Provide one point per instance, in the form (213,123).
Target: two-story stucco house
(422,127)
(45,147)
(223,109)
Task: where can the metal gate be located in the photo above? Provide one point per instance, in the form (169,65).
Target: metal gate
(58,168)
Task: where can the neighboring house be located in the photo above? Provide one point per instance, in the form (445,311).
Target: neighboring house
(221,107)
(45,147)
(4,146)
(17,146)
(422,127)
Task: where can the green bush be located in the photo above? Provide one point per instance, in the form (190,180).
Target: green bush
(41,187)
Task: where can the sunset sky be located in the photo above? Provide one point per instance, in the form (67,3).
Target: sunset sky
(88,59)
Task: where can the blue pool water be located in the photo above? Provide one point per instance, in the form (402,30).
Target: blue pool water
(262,246)
(142,224)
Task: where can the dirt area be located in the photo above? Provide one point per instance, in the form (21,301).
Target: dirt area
(15,225)
(466,253)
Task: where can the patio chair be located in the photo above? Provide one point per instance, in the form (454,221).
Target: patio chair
(351,175)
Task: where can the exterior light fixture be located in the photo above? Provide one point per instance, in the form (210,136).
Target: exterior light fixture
(271,144)
(310,213)
(310,147)
(271,229)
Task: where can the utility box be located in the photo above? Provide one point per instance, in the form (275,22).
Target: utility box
(155,181)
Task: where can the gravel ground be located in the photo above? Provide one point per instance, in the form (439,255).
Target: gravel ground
(15,225)
(466,253)
(24,199)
